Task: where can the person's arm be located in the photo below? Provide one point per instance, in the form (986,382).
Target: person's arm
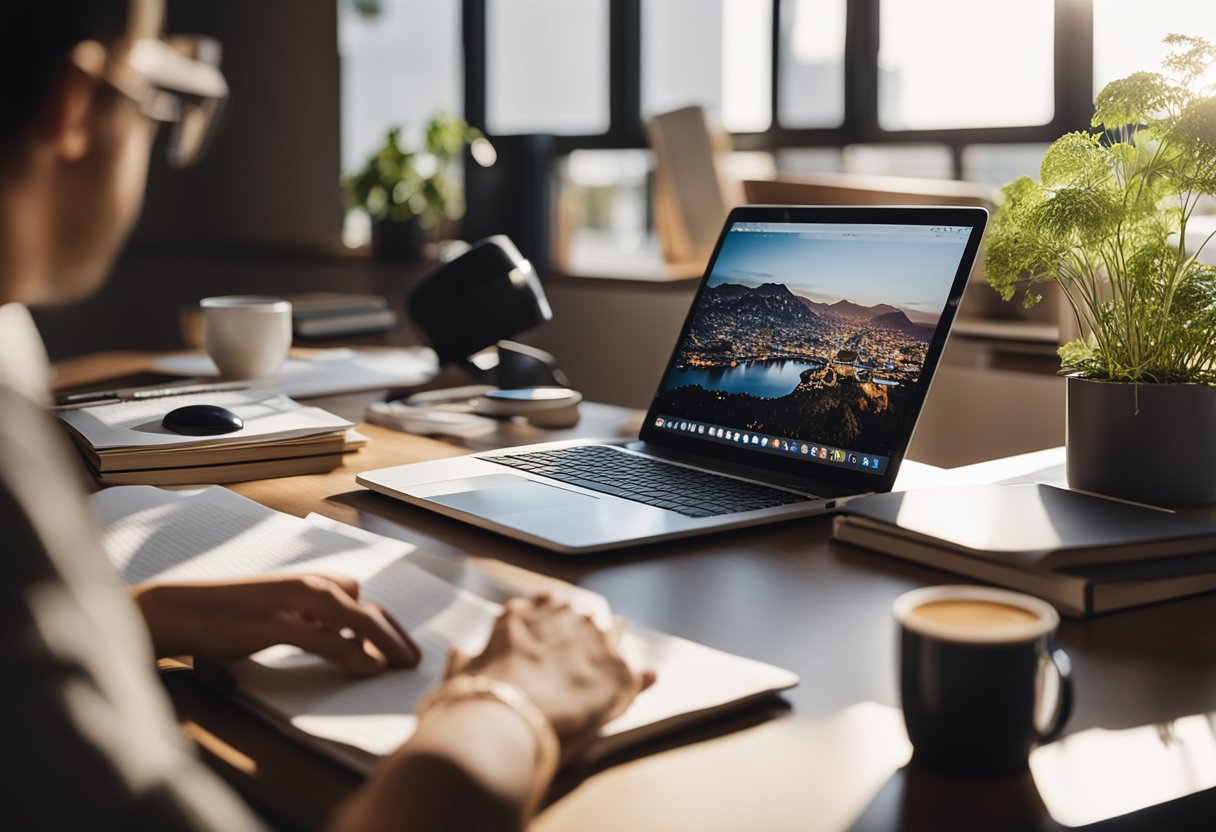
(472,764)
(490,738)
(228,619)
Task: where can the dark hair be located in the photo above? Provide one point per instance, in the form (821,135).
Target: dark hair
(35,37)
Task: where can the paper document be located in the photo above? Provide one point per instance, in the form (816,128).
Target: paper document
(267,415)
(211,533)
(326,372)
(215,533)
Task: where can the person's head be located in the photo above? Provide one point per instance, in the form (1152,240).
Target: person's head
(83,84)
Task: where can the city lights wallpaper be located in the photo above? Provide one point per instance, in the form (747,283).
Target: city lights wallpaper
(820,337)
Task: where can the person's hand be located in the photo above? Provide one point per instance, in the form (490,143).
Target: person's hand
(229,619)
(570,668)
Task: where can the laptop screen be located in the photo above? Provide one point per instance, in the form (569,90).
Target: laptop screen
(808,340)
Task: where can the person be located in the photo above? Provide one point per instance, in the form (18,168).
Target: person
(88,735)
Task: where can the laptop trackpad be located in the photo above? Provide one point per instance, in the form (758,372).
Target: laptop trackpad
(497,495)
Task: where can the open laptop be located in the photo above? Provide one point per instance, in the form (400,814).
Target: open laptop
(795,385)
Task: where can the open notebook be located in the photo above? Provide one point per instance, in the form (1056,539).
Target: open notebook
(214,533)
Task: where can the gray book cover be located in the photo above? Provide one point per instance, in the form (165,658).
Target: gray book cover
(1035,525)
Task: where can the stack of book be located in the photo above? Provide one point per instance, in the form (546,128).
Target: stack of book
(1082,553)
(124,443)
(318,315)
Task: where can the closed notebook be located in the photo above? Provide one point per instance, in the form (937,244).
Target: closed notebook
(1037,525)
(333,314)
(322,304)
(1083,553)
(131,425)
(138,459)
(264,469)
(125,443)
(231,465)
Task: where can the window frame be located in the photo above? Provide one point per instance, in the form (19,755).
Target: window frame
(1072,86)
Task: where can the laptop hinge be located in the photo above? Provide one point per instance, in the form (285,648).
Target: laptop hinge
(804,485)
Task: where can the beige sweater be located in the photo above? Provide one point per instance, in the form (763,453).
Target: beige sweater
(87,736)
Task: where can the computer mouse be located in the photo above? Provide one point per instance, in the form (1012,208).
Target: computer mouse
(202,420)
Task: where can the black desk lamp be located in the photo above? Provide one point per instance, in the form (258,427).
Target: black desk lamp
(478,300)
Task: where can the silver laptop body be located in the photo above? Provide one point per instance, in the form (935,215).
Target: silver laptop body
(794,386)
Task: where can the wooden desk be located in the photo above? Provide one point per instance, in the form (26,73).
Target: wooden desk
(782,594)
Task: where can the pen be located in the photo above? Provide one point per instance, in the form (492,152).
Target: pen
(127,394)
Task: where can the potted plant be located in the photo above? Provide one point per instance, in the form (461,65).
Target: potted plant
(1107,222)
(407,192)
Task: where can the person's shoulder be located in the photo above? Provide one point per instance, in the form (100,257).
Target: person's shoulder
(29,436)
(42,497)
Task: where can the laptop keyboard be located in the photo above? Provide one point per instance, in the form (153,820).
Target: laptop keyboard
(609,470)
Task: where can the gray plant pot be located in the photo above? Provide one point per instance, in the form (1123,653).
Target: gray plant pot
(397,240)
(1152,443)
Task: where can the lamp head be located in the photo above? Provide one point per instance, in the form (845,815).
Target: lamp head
(487,294)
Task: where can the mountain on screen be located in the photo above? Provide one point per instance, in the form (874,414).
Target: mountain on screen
(900,322)
(849,311)
(767,304)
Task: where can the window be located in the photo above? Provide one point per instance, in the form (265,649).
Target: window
(996,164)
(401,61)
(716,53)
(972,89)
(547,66)
(782,74)
(808,76)
(800,160)
(606,193)
(923,161)
(811,49)
(965,63)
(1127,37)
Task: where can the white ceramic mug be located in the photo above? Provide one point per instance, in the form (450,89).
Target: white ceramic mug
(246,336)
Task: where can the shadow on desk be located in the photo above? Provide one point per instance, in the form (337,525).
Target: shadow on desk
(749,717)
(291,788)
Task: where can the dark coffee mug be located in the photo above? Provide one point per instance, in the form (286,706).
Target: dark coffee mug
(974,665)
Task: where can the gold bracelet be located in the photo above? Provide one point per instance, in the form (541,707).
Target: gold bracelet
(548,747)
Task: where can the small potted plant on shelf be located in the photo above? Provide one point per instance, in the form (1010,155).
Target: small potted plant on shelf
(408,192)
(1108,222)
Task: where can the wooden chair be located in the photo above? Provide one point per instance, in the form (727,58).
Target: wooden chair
(856,189)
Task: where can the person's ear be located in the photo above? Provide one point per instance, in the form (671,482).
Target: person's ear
(66,126)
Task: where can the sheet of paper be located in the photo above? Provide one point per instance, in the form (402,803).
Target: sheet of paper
(1045,466)
(150,533)
(372,714)
(267,415)
(327,372)
(215,533)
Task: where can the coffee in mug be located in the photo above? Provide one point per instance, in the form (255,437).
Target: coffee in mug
(974,666)
(979,615)
(247,337)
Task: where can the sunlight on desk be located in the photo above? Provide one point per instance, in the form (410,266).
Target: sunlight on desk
(824,772)
(1096,774)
